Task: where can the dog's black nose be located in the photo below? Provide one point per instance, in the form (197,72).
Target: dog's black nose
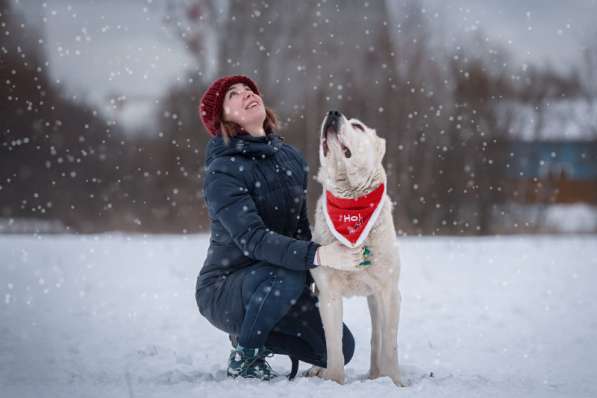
(333,119)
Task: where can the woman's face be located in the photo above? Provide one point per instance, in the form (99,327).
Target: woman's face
(243,107)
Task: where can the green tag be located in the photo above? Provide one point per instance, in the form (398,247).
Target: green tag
(366,252)
(365,264)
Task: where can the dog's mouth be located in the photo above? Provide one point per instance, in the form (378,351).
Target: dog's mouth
(332,126)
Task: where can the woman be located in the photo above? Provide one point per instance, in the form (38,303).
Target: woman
(254,281)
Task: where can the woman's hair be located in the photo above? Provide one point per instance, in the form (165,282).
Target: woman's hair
(231,129)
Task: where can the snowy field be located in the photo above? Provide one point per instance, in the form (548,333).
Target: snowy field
(115,316)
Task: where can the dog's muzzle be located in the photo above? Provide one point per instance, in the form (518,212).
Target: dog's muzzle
(331,125)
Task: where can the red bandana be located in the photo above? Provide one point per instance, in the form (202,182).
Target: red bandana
(350,220)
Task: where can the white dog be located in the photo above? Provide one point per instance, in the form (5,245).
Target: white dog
(355,210)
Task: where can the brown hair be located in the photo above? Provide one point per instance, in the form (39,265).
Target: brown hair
(231,129)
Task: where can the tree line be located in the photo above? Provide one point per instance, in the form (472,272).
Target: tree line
(439,106)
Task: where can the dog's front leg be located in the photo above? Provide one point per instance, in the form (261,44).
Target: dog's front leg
(376,323)
(330,308)
(390,304)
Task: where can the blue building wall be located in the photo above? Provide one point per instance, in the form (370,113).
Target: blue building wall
(577,160)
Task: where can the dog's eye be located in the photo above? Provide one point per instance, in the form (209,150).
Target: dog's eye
(358,126)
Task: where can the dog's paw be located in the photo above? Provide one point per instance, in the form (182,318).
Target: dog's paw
(323,373)
(374,374)
(347,267)
(334,375)
(395,376)
(397,381)
(314,371)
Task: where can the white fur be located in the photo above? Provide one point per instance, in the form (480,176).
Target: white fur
(348,178)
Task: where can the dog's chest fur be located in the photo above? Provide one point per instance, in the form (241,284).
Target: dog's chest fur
(382,242)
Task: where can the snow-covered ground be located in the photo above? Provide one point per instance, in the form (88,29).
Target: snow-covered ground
(115,316)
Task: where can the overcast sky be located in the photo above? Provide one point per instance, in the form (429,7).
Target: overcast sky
(536,31)
(98,47)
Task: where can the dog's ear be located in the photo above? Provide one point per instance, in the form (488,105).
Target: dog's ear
(381,148)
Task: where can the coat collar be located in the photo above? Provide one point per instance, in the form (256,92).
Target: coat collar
(244,145)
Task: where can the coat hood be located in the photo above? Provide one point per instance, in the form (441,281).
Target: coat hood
(243,145)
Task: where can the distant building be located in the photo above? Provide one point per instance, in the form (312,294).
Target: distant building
(553,171)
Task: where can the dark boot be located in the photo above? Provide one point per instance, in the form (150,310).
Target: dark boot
(294,362)
(250,363)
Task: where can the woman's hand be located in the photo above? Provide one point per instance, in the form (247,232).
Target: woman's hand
(337,256)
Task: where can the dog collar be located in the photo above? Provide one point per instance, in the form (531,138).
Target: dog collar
(350,220)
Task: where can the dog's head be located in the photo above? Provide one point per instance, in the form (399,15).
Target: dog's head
(350,153)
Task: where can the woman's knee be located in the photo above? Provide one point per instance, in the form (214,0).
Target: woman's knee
(284,283)
(290,282)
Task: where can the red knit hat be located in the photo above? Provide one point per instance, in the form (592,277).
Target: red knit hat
(212,101)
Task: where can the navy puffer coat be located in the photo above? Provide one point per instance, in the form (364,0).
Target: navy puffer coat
(255,190)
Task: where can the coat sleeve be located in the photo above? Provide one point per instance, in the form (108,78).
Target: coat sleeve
(229,201)
(303,230)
